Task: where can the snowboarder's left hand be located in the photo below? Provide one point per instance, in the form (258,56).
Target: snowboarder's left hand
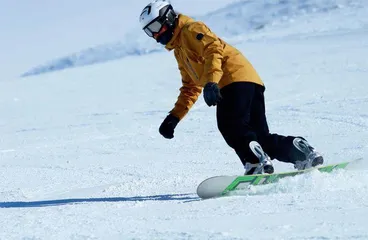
(211,94)
(168,125)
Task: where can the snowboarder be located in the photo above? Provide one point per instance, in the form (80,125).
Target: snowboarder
(228,81)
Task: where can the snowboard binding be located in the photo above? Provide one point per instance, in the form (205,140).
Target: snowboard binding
(312,157)
(264,165)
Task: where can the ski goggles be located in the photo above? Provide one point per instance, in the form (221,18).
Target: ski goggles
(154,27)
(156,24)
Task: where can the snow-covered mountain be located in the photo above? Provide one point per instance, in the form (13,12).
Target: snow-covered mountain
(234,20)
(80,152)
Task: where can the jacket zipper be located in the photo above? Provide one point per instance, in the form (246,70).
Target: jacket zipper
(192,69)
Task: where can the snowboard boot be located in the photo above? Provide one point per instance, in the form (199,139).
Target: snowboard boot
(312,157)
(264,165)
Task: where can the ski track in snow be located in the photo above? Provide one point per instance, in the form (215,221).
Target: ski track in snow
(81,156)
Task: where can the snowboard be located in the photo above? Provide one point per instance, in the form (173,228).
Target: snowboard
(221,185)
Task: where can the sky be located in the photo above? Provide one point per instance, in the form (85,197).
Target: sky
(80,152)
(39,31)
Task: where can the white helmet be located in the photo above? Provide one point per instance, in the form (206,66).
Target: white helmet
(155,15)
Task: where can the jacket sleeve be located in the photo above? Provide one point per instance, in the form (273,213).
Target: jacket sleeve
(189,93)
(210,48)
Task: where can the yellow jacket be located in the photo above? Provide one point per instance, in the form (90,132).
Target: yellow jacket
(203,57)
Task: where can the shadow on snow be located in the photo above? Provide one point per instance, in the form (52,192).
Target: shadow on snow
(59,202)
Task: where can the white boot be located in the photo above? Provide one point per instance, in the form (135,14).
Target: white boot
(312,157)
(264,165)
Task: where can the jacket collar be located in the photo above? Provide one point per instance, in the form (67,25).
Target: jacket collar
(182,21)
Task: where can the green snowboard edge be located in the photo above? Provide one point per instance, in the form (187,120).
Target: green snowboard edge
(261,179)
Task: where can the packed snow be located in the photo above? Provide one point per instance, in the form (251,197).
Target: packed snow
(80,152)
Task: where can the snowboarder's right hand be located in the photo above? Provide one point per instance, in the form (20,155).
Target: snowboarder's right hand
(211,94)
(168,125)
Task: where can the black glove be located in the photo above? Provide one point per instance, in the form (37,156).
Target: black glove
(211,94)
(168,125)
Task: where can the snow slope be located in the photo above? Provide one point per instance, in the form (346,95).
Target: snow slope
(235,19)
(81,156)
(38,31)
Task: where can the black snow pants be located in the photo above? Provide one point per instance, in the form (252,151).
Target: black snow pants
(241,119)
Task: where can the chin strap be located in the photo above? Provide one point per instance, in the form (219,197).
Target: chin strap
(165,37)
